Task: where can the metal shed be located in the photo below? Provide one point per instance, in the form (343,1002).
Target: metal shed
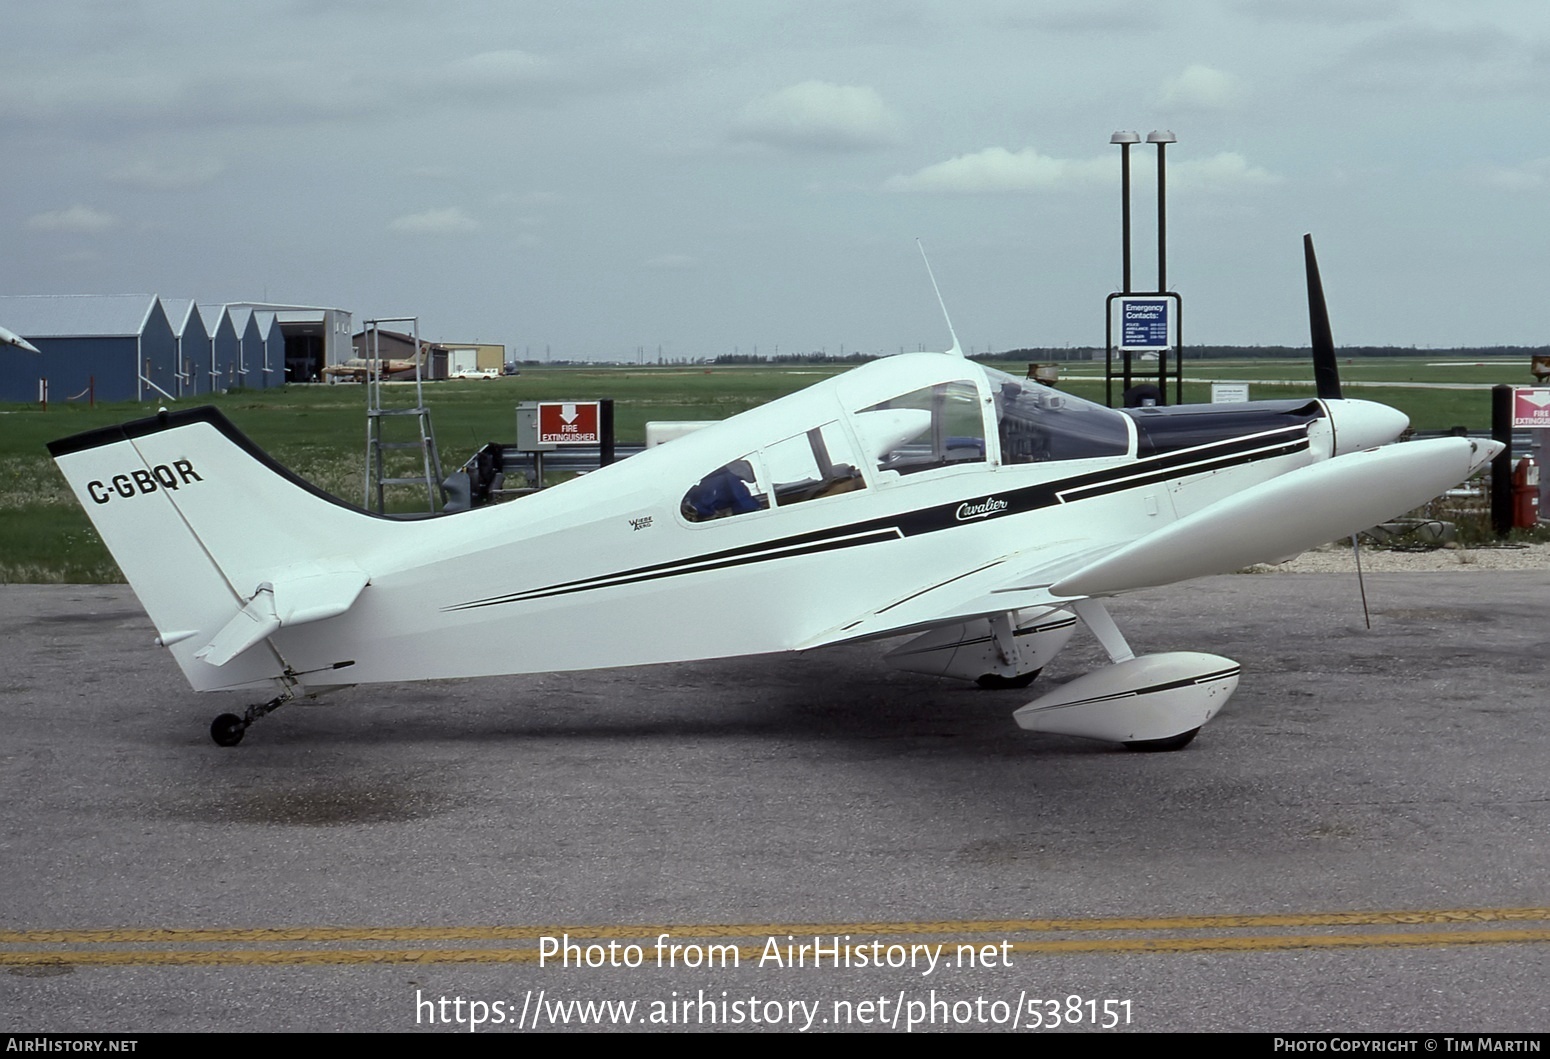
(314,338)
(225,347)
(193,362)
(274,348)
(119,347)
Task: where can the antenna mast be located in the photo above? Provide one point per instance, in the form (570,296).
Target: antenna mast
(958,349)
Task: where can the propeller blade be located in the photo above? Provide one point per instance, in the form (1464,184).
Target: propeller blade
(1326,373)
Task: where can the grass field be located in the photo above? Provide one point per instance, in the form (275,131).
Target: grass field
(320,431)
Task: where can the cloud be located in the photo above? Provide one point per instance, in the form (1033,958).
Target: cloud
(449,221)
(1090,18)
(1319,12)
(84,92)
(504,68)
(1446,61)
(1222,171)
(817,115)
(997,170)
(1529,176)
(527,199)
(155,174)
(670,262)
(1201,88)
(75,218)
(236,93)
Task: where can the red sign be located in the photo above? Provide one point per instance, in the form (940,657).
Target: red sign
(1531,408)
(568,423)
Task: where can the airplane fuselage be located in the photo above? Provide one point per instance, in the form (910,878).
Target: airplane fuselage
(616,568)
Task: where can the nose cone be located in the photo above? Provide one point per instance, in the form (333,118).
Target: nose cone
(1485,452)
(1364,424)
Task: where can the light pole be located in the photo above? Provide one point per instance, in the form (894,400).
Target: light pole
(1162,140)
(1125,139)
(1148,311)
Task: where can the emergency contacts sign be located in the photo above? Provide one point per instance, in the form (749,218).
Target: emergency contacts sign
(1531,409)
(568,423)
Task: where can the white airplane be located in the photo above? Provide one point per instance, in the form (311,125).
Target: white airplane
(9,338)
(922,493)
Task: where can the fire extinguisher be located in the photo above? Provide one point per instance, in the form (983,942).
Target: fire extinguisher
(1525,494)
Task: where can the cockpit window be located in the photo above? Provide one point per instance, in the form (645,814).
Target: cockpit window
(812,465)
(816,463)
(1038,423)
(936,426)
(730,490)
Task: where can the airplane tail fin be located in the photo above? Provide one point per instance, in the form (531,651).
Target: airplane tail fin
(222,545)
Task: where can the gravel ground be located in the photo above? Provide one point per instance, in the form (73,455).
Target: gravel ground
(1337,558)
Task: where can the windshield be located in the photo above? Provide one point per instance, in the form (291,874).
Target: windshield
(925,429)
(1036,423)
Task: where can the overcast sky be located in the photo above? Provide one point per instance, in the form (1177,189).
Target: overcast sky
(594,177)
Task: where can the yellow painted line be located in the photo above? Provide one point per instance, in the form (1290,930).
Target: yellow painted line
(748,955)
(1418,917)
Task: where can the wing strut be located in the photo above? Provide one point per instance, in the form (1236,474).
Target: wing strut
(1096,617)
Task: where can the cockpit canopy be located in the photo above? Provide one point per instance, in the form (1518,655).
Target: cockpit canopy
(1035,423)
(941,421)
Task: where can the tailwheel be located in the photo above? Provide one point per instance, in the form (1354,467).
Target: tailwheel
(227,729)
(1154,746)
(997,682)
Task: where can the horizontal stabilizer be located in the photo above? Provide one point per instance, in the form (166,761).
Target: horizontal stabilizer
(252,624)
(284,602)
(1286,515)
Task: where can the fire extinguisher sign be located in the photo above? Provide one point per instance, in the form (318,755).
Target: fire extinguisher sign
(1531,409)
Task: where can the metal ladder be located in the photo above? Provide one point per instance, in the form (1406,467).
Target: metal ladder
(378,416)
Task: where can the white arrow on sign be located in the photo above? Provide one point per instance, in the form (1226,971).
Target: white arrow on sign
(568,413)
(1535,397)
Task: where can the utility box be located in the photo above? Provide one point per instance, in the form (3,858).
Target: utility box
(1047,374)
(661,431)
(543,426)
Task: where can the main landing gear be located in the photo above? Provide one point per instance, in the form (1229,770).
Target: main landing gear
(1147,703)
(1155,746)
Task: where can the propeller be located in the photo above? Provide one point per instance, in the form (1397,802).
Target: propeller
(1326,373)
(1326,376)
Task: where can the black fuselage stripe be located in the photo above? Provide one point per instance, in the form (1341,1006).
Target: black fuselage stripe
(1202,459)
(1206,678)
(633,578)
(1152,477)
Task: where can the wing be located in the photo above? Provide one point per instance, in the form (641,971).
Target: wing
(1018,581)
(1268,522)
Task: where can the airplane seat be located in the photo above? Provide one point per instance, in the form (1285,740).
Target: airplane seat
(740,498)
(718,494)
(965,448)
(846,479)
